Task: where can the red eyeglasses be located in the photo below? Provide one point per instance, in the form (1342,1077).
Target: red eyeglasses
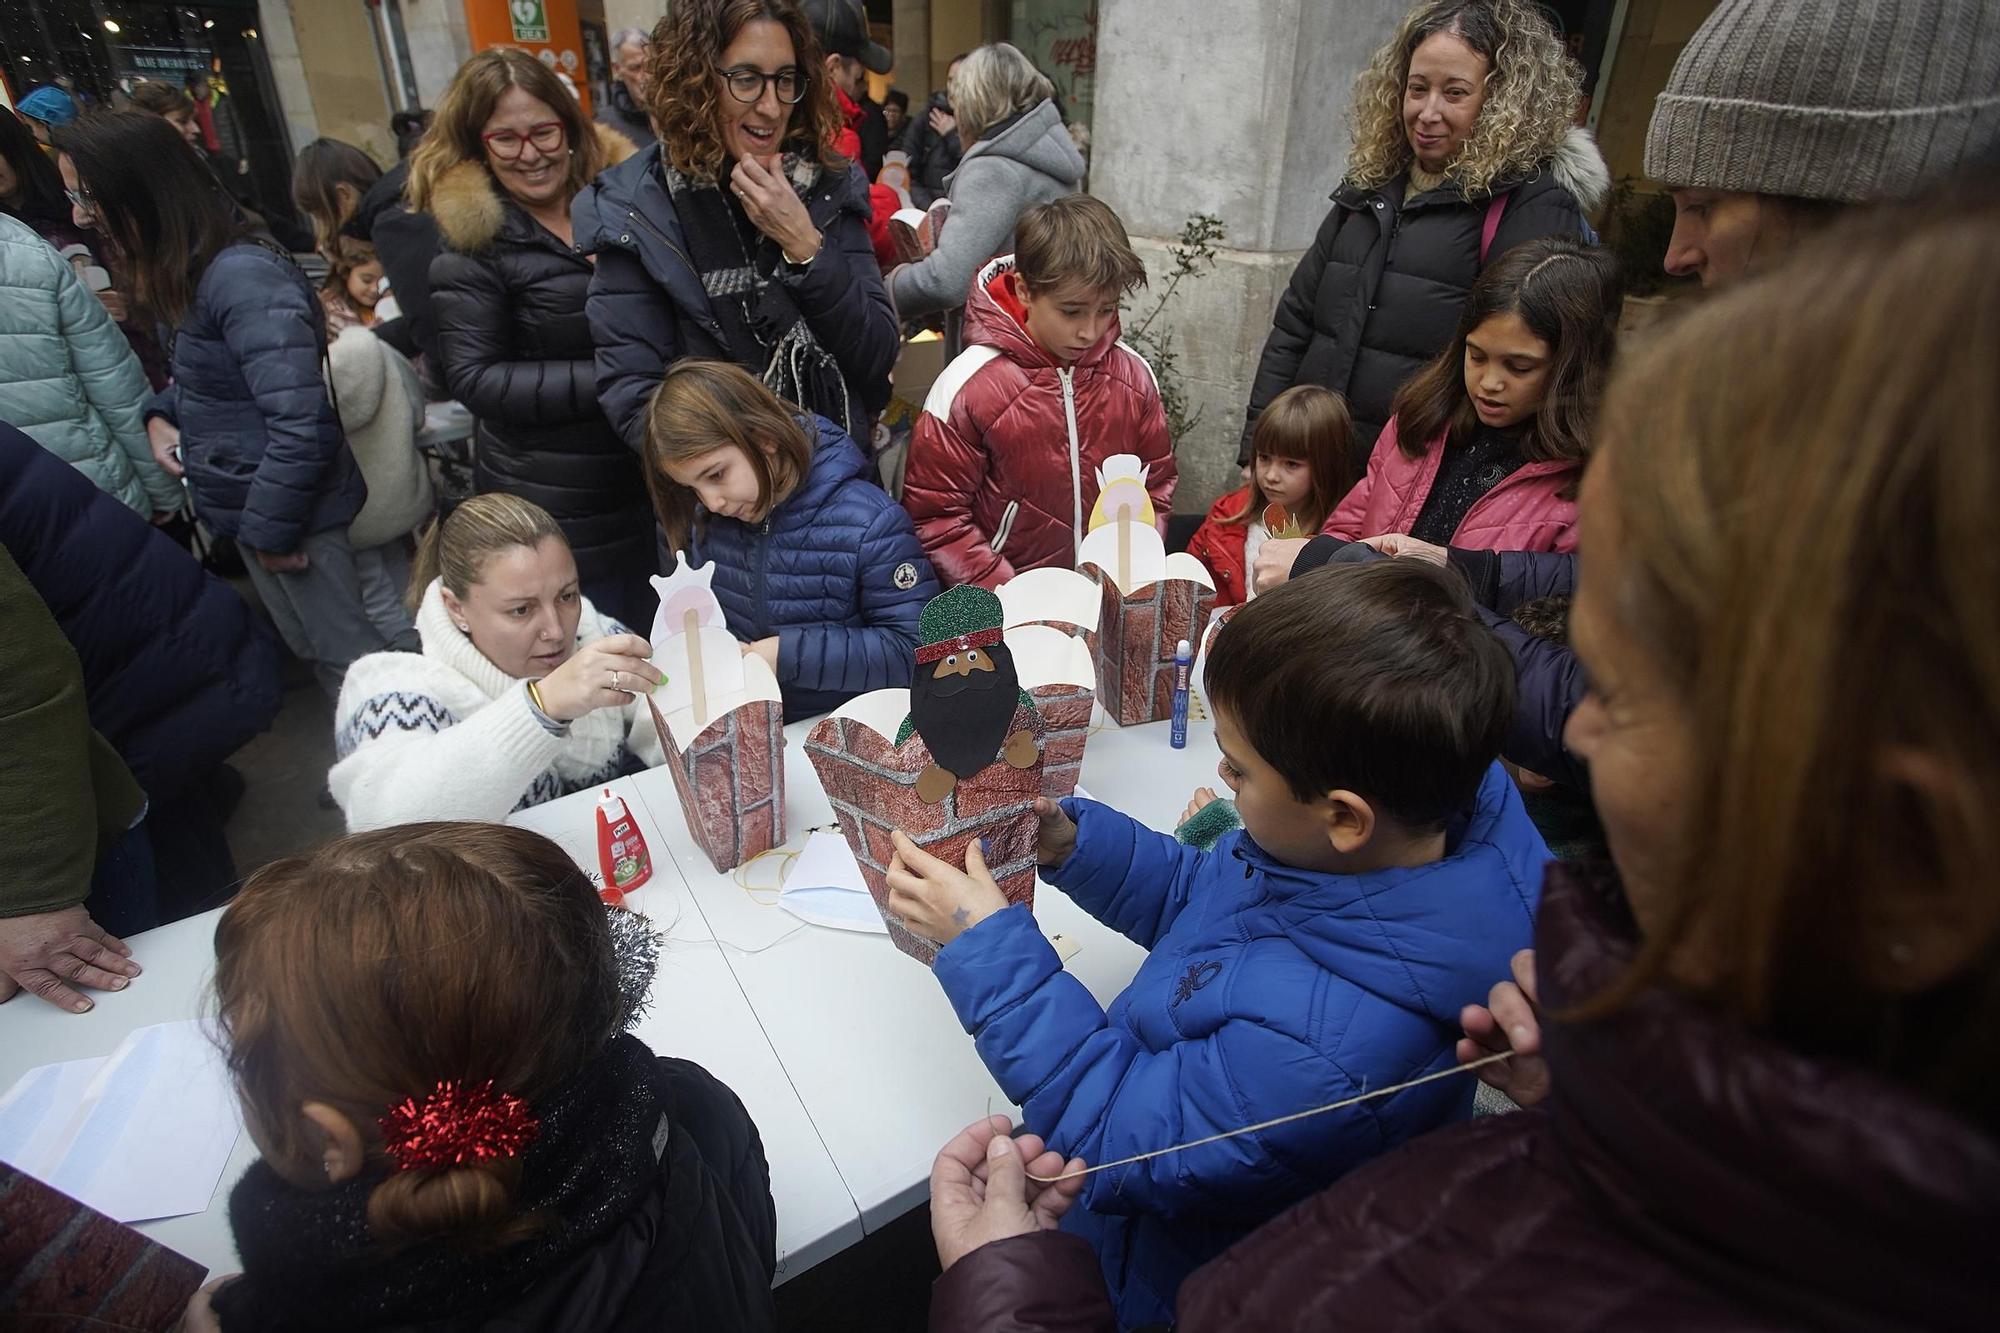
(507,145)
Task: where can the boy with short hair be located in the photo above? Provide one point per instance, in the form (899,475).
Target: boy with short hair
(1004,458)
(1385,874)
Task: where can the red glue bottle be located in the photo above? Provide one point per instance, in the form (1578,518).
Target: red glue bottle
(621,850)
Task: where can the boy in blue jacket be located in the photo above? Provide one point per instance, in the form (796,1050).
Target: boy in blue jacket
(1385,874)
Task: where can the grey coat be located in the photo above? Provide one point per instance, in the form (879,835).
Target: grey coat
(1031,161)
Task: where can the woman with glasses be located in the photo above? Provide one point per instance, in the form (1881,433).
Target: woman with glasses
(744,238)
(508,151)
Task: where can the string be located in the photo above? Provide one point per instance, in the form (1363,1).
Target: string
(1281,1120)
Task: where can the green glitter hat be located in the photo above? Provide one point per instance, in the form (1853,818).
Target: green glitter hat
(967,616)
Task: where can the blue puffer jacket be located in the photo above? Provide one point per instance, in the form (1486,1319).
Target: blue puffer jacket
(835,572)
(179,671)
(265,458)
(1268,990)
(648,308)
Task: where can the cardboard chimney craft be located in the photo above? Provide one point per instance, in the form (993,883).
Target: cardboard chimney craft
(721,722)
(1132,601)
(958,756)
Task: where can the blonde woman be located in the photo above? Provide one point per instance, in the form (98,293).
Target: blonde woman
(1463,148)
(523,690)
(508,152)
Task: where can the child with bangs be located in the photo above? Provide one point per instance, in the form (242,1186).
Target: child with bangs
(1301,463)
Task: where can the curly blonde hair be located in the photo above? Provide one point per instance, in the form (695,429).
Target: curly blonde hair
(1532,89)
(684,89)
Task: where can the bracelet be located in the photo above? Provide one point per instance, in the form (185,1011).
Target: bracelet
(541,712)
(535,698)
(801,263)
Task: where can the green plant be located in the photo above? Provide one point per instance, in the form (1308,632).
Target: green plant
(1190,257)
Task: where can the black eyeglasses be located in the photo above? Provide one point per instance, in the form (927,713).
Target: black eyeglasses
(747,84)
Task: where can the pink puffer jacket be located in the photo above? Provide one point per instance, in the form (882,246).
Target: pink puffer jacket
(1525,512)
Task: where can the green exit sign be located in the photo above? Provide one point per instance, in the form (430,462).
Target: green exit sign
(530,19)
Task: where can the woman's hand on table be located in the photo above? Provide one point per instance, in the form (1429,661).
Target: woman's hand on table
(51,954)
(934,898)
(1203,798)
(605,673)
(1510,1020)
(1055,839)
(1274,562)
(774,207)
(980,1191)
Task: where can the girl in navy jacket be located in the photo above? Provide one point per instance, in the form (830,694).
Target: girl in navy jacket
(818,571)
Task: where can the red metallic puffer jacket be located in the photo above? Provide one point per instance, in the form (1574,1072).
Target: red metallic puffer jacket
(1003,463)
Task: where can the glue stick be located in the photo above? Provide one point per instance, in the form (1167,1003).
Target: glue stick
(1183,668)
(621,850)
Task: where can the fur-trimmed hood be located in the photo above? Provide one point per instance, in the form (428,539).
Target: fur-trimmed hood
(470,209)
(1579,167)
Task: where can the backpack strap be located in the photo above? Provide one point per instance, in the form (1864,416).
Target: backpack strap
(1491,227)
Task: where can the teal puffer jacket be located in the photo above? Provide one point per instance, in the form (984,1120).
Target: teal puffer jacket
(68,378)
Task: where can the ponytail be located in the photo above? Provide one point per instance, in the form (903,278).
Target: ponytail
(455,548)
(473,1203)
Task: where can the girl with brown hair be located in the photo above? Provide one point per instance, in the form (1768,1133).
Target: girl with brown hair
(744,237)
(523,690)
(328,182)
(508,151)
(818,571)
(1488,440)
(487,1148)
(1767,1027)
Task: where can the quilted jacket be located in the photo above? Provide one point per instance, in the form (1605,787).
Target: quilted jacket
(648,308)
(1527,511)
(1686,1174)
(265,460)
(1267,989)
(69,378)
(1380,291)
(1004,457)
(834,571)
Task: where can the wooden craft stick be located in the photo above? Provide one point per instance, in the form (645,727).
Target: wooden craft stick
(697,685)
(1125,549)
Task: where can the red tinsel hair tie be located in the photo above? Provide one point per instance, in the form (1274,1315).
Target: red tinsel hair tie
(456,1125)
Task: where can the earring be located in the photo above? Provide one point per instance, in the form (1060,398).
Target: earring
(1901,953)
(464,628)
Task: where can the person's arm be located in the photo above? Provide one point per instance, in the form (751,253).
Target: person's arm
(1134,879)
(983,214)
(272,332)
(947,469)
(875,653)
(844,301)
(1291,331)
(632,324)
(404,757)
(114,385)
(400,333)
(1549,683)
(1036,1282)
(474,311)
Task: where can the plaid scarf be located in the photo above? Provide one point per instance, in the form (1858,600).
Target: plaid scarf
(764,328)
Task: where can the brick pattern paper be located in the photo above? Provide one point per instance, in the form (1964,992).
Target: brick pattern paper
(1065,711)
(731,781)
(872,785)
(1136,638)
(69,1267)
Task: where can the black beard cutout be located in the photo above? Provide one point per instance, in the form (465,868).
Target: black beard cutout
(964,718)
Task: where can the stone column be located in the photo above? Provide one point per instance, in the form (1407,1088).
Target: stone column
(913,51)
(1236,108)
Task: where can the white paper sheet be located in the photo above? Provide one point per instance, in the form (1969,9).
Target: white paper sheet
(144,1133)
(825,888)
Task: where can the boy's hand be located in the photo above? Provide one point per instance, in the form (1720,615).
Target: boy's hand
(935,899)
(1509,1021)
(980,1191)
(1056,839)
(1203,798)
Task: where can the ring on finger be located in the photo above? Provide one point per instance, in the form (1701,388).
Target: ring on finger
(617,676)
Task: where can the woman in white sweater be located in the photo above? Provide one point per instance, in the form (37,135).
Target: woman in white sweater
(522,692)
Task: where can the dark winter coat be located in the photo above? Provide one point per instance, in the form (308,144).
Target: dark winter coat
(265,459)
(406,242)
(178,670)
(933,156)
(648,308)
(1266,989)
(1381,289)
(1685,1174)
(509,301)
(834,572)
(623,113)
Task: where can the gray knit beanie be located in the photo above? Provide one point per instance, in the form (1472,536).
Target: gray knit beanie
(1830,99)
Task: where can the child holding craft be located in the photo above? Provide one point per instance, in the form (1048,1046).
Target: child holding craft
(1385,873)
(818,571)
(1004,458)
(426,1029)
(1488,440)
(1300,461)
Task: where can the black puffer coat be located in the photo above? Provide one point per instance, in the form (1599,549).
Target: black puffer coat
(508,299)
(1381,289)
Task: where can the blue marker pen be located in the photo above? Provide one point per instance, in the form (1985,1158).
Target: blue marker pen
(1183,669)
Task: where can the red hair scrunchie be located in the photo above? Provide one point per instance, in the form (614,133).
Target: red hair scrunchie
(458,1124)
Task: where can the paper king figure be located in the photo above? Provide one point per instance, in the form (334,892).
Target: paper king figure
(963,697)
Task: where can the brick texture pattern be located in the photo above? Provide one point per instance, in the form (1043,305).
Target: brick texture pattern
(1136,637)
(872,785)
(731,781)
(67,1267)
